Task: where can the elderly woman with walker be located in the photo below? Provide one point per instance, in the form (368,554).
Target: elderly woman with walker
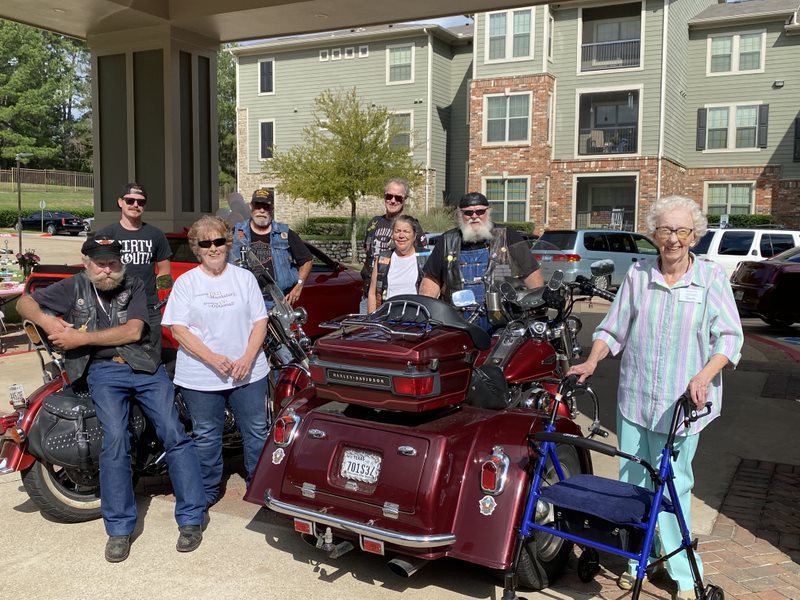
(675,321)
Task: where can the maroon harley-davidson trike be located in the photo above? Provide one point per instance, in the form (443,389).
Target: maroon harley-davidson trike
(414,439)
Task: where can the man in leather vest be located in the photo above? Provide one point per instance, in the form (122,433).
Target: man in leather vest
(279,249)
(106,340)
(463,255)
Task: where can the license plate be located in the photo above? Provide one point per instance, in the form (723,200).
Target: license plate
(361,466)
(547,258)
(738,294)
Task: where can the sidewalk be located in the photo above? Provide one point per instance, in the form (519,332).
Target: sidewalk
(745,502)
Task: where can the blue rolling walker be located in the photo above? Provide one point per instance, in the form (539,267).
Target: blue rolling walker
(597,513)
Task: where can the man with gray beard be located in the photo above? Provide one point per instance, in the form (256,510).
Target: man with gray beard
(463,255)
(105,336)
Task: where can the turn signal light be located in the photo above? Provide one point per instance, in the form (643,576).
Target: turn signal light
(8,422)
(317,374)
(414,386)
(285,429)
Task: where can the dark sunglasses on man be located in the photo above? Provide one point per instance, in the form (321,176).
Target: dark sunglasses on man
(394,197)
(478,211)
(130,201)
(215,242)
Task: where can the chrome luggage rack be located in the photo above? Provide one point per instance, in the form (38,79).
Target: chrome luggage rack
(405,319)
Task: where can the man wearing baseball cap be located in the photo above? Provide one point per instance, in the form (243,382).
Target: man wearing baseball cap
(279,249)
(145,250)
(107,345)
(463,255)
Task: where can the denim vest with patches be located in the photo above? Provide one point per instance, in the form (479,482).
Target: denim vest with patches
(470,266)
(285,271)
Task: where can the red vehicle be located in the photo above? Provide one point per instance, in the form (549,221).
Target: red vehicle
(415,438)
(769,289)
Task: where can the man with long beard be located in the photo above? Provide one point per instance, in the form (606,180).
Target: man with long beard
(106,340)
(463,255)
(279,249)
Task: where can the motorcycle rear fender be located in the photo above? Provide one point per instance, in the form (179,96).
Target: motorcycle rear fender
(16,457)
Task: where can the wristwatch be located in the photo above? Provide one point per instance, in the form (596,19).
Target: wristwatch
(299,281)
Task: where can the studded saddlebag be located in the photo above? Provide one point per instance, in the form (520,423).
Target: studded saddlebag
(67,431)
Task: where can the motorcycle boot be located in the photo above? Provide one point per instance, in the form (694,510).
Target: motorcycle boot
(117,548)
(189,538)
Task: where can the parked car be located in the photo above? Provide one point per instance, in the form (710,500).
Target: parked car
(574,250)
(770,288)
(730,246)
(52,222)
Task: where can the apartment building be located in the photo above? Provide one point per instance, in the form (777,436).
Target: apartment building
(576,115)
(583,114)
(419,73)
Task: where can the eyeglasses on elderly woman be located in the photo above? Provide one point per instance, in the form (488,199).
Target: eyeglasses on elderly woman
(682,233)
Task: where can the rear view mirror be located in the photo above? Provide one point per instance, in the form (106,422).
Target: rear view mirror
(463,298)
(603,267)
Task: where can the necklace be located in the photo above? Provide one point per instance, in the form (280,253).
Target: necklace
(100,301)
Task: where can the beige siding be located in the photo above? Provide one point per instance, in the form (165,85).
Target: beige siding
(782,57)
(458,133)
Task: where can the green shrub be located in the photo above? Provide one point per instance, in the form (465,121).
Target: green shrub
(744,221)
(522,226)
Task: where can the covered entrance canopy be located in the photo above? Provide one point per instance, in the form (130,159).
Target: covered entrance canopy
(154,80)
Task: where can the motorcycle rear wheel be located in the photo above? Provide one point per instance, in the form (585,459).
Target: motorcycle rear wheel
(544,556)
(58,496)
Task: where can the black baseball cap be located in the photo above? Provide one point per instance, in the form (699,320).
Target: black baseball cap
(101,248)
(263,196)
(473,199)
(133,188)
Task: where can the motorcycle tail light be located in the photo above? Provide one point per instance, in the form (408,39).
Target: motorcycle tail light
(414,386)
(285,429)
(8,422)
(494,472)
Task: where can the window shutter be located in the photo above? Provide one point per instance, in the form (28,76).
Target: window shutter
(701,128)
(266,76)
(797,139)
(267,139)
(763,121)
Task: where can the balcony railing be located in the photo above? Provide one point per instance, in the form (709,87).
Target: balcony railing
(608,140)
(610,55)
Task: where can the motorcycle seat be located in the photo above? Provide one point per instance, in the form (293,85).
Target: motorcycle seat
(405,307)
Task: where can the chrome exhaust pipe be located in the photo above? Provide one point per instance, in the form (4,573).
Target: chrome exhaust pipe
(406,566)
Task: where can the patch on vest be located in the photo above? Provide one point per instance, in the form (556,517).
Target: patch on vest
(123,297)
(384,260)
(80,302)
(284,235)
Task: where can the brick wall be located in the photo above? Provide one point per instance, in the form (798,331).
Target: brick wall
(786,203)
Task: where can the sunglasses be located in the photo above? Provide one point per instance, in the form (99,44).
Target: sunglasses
(139,201)
(478,211)
(215,242)
(664,233)
(396,197)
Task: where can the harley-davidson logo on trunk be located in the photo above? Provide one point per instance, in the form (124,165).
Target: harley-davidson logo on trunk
(362,379)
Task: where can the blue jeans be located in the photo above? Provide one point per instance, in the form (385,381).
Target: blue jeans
(207,410)
(112,385)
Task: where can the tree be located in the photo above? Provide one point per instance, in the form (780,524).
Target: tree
(226,112)
(346,153)
(44,95)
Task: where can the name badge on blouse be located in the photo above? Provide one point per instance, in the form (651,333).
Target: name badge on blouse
(690,294)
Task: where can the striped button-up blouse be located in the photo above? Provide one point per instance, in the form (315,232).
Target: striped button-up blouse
(668,335)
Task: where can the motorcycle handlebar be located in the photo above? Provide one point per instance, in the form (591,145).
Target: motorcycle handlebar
(588,287)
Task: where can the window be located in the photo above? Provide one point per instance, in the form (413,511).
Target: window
(735,243)
(323,55)
(551,28)
(336,54)
(507,118)
(267,141)
(402,126)
(363,51)
(266,76)
(775,243)
(400,64)
(729,198)
(349,53)
(508,35)
(739,126)
(735,53)
(508,198)
(551,107)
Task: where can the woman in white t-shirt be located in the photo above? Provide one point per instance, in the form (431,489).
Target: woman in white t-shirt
(216,313)
(397,271)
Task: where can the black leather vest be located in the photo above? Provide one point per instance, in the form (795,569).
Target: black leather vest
(383,271)
(141,356)
(454,280)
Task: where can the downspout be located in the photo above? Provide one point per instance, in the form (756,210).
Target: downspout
(429,120)
(662,107)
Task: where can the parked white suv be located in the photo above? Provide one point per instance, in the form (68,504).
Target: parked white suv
(729,247)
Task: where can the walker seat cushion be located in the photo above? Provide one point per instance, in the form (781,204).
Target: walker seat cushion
(608,499)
